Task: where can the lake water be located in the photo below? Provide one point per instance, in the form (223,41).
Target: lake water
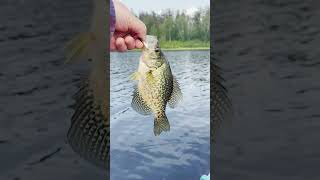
(184,152)
(270,57)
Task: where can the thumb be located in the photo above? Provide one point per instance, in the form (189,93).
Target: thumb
(138,28)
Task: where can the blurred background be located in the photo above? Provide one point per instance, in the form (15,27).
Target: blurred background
(36,89)
(269,53)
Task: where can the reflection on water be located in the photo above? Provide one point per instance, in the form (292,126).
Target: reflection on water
(183,153)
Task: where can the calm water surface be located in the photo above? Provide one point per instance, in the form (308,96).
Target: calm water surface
(183,153)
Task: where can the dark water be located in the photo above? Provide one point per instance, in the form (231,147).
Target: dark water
(183,153)
(270,53)
(36,88)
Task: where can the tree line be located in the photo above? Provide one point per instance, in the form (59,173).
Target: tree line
(176,25)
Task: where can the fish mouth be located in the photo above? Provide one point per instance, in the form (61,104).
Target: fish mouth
(145,44)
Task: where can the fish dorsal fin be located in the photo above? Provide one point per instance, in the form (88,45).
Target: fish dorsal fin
(222,108)
(176,95)
(88,134)
(138,104)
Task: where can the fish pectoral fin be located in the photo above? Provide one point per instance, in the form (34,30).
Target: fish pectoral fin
(149,76)
(78,46)
(138,104)
(161,123)
(176,95)
(135,76)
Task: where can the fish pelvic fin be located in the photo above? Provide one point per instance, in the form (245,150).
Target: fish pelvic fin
(135,76)
(161,123)
(176,95)
(79,46)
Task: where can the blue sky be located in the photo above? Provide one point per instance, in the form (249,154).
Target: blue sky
(158,5)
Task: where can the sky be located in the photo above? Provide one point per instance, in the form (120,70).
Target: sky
(157,5)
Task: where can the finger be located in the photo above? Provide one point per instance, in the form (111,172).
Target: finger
(130,42)
(121,45)
(137,27)
(118,34)
(139,44)
(112,44)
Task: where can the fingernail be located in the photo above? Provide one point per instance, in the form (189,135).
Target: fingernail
(145,44)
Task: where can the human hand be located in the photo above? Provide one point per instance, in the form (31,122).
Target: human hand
(129,30)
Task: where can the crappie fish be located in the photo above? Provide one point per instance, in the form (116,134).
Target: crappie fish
(89,132)
(156,85)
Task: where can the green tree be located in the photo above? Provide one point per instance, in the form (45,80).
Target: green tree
(178,26)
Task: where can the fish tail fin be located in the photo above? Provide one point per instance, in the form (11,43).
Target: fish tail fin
(161,123)
(79,46)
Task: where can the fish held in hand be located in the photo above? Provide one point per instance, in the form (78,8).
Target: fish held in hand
(89,132)
(156,85)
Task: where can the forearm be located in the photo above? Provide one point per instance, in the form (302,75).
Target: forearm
(112,18)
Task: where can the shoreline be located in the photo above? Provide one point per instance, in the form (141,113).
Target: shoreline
(177,49)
